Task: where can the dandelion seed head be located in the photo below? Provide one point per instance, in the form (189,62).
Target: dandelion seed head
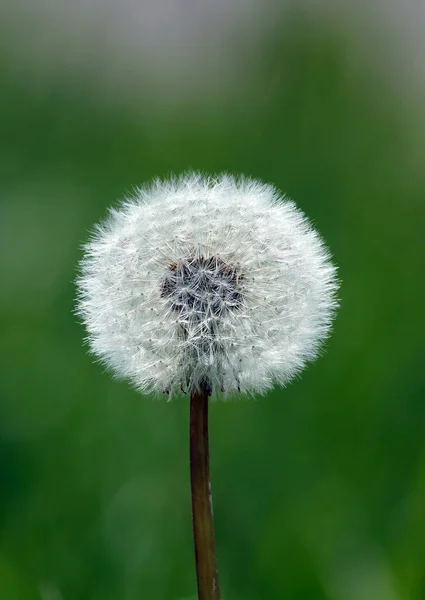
(206,279)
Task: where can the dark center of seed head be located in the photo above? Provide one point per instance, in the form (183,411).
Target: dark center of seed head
(202,287)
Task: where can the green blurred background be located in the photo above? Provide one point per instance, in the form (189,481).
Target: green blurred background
(319,488)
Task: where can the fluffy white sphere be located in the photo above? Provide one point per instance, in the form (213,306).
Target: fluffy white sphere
(219,280)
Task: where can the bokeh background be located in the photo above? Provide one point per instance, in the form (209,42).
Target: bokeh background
(319,488)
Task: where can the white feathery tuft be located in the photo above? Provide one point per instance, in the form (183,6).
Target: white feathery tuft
(219,280)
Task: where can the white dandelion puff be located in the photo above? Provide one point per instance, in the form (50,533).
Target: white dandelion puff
(202,279)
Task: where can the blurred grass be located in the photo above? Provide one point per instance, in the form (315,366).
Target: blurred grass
(319,488)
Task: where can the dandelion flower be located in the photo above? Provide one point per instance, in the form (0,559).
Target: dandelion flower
(206,285)
(206,279)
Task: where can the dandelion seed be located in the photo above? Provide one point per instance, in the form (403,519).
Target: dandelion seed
(203,274)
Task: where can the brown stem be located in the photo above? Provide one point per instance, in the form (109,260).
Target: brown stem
(202,515)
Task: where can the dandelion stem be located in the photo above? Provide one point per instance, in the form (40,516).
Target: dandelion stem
(202,515)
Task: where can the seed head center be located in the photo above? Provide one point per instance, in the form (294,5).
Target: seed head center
(200,288)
